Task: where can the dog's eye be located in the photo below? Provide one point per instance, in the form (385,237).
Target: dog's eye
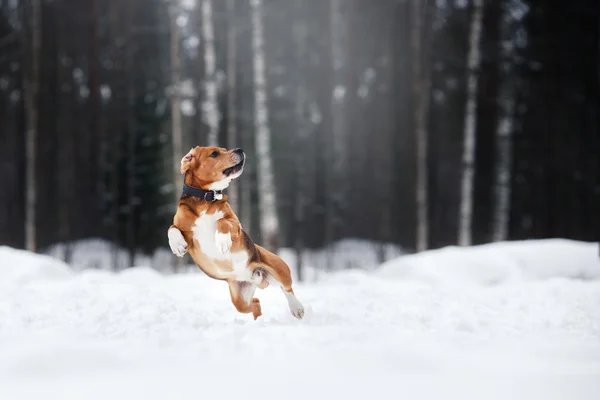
(214,154)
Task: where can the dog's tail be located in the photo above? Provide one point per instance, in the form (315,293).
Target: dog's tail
(277,271)
(260,276)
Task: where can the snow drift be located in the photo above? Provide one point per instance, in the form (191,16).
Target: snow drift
(510,320)
(498,263)
(20,266)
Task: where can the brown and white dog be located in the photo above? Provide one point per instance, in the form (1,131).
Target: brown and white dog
(206,227)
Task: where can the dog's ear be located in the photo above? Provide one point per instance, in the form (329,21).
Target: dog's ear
(186,161)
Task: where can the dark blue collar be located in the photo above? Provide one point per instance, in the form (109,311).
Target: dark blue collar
(208,195)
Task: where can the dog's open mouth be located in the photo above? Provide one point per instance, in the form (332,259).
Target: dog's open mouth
(235,169)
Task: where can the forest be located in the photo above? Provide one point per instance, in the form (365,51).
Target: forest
(421,124)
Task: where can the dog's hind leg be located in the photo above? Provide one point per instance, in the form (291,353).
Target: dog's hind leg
(296,308)
(278,273)
(241,297)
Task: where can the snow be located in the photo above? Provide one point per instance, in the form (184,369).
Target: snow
(496,263)
(38,268)
(504,321)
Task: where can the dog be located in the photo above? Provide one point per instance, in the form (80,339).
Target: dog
(207,228)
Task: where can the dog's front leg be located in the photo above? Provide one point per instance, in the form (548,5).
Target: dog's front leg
(176,241)
(225,234)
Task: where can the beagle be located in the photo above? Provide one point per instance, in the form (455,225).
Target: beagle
(206,227)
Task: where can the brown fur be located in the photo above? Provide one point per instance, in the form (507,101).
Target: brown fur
(201,170)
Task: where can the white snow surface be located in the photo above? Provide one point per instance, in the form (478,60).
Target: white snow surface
(496,263)
(504,321)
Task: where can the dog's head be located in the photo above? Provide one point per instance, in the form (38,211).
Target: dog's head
(213,168)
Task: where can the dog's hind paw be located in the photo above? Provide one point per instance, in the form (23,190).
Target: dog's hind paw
(297,311)
(223,242)
(177,243)
(296,308)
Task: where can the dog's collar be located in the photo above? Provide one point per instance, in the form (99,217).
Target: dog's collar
(208,195)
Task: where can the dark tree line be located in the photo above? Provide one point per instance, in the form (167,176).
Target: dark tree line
(367,106)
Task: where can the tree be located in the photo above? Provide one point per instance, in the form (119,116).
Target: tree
(232,139)
(339,118)
(12,156)
(269,222)
(64,161)
(504,128)
(97,142)
(468,157)
(132,128)
(210,106)
(31,86)
(301,179)
(245,112)
(176,130)
(421,90)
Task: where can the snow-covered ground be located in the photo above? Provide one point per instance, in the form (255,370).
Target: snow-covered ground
(503,321)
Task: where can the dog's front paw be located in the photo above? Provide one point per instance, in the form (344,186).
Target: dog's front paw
(177,243)
(223,242)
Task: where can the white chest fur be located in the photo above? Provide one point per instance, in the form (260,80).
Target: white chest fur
(205,233)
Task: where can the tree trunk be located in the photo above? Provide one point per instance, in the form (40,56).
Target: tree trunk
(131,134)
(114,116)
(131,172)
(66,149)
(232,140)
(269,222)
(31,89)
(176,131)
(301,180)
(97,142)
(176,128)
(246,116)
(504,132)
(468,172)
(421,90)
(339,129)
(210,106)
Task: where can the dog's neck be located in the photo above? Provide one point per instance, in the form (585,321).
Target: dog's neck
(207,195)
(192,186)
(193,181)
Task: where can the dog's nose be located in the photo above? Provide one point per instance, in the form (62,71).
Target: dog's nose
(238,151)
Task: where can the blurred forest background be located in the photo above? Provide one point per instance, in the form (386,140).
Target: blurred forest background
(415,123)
